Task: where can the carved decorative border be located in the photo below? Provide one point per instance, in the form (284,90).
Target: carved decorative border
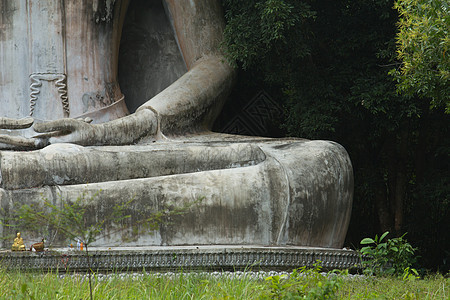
(225,259)
(60,83)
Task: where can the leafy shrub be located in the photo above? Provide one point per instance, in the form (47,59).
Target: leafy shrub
(304,283)
(389,257)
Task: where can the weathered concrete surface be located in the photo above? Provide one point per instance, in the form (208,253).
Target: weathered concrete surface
(199,27)
(59,59)
(293,192)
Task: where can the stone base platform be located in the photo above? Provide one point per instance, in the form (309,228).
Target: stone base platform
(217,257)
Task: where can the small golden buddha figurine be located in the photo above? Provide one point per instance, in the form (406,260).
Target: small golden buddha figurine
(18,244)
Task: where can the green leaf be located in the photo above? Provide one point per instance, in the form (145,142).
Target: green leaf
(367,250)
(366,241)
(384,235)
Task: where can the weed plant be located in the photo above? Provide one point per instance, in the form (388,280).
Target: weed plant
(304,283)
(388,256)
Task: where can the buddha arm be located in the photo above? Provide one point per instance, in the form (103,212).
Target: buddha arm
(192,103)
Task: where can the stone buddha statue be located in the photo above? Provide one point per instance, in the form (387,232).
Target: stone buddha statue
(59,72)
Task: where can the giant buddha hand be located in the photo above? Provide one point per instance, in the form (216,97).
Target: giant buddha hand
(68,129)
(17,140)
(126,130)
(122,131)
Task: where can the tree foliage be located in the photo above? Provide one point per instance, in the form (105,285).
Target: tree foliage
(423,42)
(257,29)
(330,72)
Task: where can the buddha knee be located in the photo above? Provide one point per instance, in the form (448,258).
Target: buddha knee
(320,179)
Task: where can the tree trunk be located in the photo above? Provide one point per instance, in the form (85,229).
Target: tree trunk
(401,178)
(382,207)
(399,196)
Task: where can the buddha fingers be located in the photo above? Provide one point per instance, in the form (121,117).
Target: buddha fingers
(20,141)
(9,123)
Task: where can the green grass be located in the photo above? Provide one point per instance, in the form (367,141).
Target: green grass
(200,286)
(432,287)
(183,286)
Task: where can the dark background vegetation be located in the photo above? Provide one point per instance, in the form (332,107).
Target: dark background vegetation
(326,63)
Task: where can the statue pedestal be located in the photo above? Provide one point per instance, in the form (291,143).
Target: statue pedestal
(186,258)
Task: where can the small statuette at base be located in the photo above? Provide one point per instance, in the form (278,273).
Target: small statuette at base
(38,247)
(18,244)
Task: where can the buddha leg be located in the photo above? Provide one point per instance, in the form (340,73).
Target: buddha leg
(273,192)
